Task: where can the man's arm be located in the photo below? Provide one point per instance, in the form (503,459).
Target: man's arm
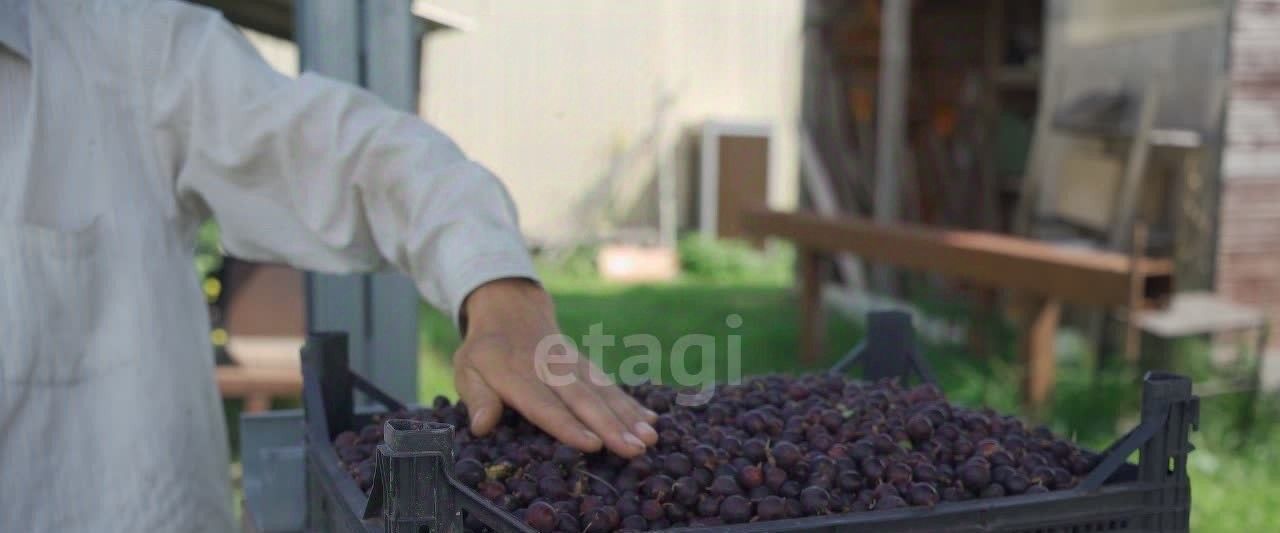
(323,176)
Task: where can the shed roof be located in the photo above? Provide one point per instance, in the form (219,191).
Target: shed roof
(275,17)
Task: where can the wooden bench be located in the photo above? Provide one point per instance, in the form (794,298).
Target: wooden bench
(1045,276)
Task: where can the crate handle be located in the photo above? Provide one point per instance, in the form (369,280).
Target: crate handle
(362,384)
(415,465)
(1163,395)
(888,351)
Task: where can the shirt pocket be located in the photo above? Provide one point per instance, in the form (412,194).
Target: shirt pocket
(51,302)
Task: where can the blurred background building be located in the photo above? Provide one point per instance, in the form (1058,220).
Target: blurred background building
(1018,117)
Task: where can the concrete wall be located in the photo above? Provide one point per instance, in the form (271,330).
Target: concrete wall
(561,98)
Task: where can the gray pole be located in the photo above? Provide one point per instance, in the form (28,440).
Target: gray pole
(374,44)
(895,50)
(392,59)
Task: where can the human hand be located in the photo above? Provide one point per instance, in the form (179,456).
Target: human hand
(496,364)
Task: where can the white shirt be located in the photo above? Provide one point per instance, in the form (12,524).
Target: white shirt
(123,125)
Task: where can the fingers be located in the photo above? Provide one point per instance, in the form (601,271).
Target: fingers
(527,394)
(546,410)
(635,417)
(593,410)
(483,404)
(569,398)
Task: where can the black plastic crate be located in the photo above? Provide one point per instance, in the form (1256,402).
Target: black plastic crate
(414,490)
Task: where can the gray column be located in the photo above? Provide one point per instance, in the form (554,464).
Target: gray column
(375,44)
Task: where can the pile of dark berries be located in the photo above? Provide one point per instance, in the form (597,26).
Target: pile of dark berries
(771,448)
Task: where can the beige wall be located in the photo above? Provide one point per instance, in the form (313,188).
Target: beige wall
(557,96)
(554,94)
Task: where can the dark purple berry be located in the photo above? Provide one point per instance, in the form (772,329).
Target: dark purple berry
(652,510)
(891,502)
(952,494)
(1016,483)
(750,477)
(709,505)
(725,486)
(566,456)
(815,501)
(675,512)
(897,473)
(525,490)
(735,510)
(677,464)
(491,490)
(541,516)
(786,454)
(602,520)
(790,489)
(849,481)
(993,491)
(635,522)
(919,428)
(657,487)
(469,471)
(685,491)
(974,476)
(922,494)
(553,488)
(754,450)
(771,508)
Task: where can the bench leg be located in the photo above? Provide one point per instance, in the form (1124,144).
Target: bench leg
(1039,331)
(813,320)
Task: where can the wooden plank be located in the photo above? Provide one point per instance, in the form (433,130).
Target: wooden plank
(239,382)
(813,320)
(1038,355)
(1071,275)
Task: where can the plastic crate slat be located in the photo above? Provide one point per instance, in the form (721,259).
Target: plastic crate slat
(363,385)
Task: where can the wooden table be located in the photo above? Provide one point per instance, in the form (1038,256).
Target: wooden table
(257,386)
(1044,275)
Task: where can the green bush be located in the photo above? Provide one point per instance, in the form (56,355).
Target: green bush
(708,258)
(578,262)
(208,249)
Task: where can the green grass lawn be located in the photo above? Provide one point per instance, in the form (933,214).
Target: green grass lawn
(1235,476)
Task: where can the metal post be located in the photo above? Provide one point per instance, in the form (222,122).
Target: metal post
(374,44)
(392,58)
(895,50)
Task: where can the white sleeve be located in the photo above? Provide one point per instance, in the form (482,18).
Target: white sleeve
(319,174)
